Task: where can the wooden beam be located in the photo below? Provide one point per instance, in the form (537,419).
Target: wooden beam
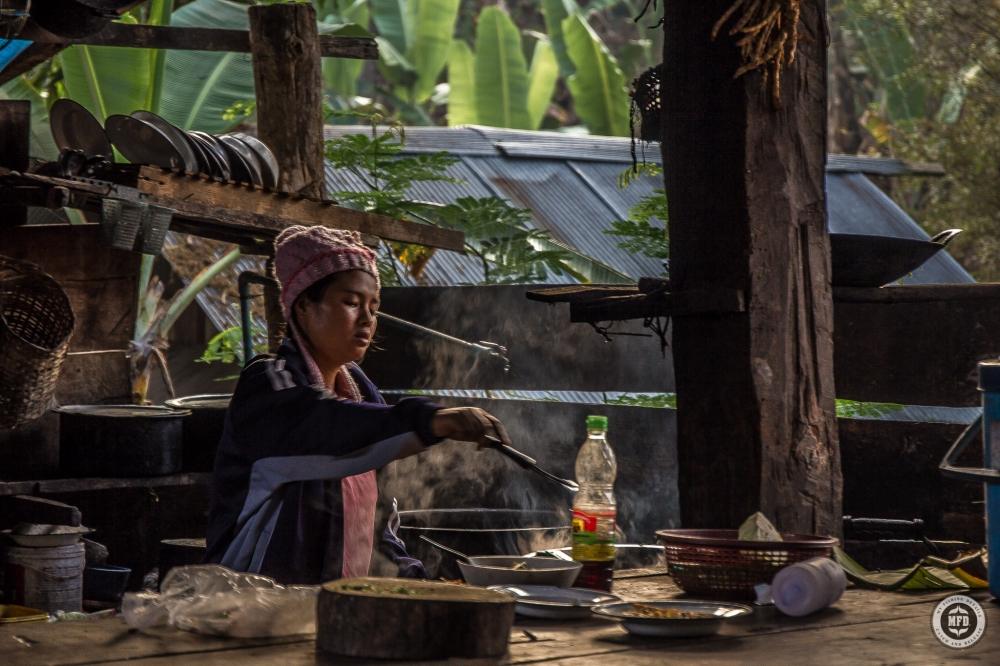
(254,211)
(289,83)
(755,392)
(194,39)
(674,304)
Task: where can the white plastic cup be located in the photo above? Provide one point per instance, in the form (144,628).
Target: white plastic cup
(806,587)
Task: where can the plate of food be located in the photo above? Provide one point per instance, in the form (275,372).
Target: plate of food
(674,618)
(554,603)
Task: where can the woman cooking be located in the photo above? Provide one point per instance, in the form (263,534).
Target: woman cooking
(294,491)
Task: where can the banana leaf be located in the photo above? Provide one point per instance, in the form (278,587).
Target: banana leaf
(340,75)
(541,81)
(392,22)
(931,573)
(41,143)
(555,12)
(462,85)
(200,85)
(433,22)
(501,73)
(107,80)
(598,86)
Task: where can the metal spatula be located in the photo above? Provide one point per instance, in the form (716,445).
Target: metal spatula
(527,462)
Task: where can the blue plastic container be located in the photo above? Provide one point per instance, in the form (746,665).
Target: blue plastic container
(989,425)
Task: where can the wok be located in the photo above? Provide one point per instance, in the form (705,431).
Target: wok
(479,532)
(861,260)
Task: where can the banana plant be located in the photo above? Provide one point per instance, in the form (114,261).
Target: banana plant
(494,85)
(154,319)
(598,86)
(414,41)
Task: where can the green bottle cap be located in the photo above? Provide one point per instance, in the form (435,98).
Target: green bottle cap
(597,423)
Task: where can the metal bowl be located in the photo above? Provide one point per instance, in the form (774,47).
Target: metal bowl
(488,570)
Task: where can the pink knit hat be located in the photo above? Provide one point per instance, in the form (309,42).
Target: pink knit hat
(306,255)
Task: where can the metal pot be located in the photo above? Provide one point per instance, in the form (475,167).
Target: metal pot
(480,532)
(119,440)
(203,428)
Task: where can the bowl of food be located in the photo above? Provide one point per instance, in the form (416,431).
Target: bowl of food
(486,570)
(674,618)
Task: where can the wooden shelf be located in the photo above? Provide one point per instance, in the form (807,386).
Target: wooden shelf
(237,213)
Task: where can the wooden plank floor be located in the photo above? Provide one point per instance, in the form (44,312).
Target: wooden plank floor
(864,627)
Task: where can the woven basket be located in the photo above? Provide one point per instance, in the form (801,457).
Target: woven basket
(717,565)
(36,322)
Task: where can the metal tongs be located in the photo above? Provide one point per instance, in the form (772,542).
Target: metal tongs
(527,462)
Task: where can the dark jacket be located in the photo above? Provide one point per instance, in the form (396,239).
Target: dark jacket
(276,503)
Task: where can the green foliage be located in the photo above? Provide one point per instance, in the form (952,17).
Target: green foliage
(108,80)
(462,85)
(542,79)
(923,78)
(499,235)
(227,346)
(599,90)
(415,38)
(655,400)
(501,72)
(644,232)
(852,409)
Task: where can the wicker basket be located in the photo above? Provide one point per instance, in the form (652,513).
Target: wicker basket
(36,322)
(717,565)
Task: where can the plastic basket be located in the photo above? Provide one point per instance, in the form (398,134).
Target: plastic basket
(716,564)
(36,322)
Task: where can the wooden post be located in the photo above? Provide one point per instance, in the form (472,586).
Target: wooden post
(286,69)
(15,135)
(745,184)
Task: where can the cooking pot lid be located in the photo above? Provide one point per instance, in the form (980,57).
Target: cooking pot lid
(120,411)
(206,401)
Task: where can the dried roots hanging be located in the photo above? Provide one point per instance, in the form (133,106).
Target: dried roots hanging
(766,32)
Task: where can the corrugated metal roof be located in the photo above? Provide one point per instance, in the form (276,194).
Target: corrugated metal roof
(575,197)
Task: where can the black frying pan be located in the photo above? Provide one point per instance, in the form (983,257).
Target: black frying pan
(861,260)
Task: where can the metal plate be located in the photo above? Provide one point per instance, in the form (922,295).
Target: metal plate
(75,128)
(176,137)
(244,170)
(556,603)
(223,168)
(142,143)
(268,164)
(248,155)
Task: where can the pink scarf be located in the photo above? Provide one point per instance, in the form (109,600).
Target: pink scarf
(360,492)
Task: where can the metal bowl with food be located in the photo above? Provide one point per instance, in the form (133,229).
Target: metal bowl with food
(488,570)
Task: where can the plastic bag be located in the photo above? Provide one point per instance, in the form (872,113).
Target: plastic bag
(211,599)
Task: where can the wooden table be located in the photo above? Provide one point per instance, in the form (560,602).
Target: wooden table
(864,627)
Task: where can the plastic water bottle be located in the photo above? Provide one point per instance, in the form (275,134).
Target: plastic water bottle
(594,508)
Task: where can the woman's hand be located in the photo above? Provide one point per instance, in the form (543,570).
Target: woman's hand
(468,424)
